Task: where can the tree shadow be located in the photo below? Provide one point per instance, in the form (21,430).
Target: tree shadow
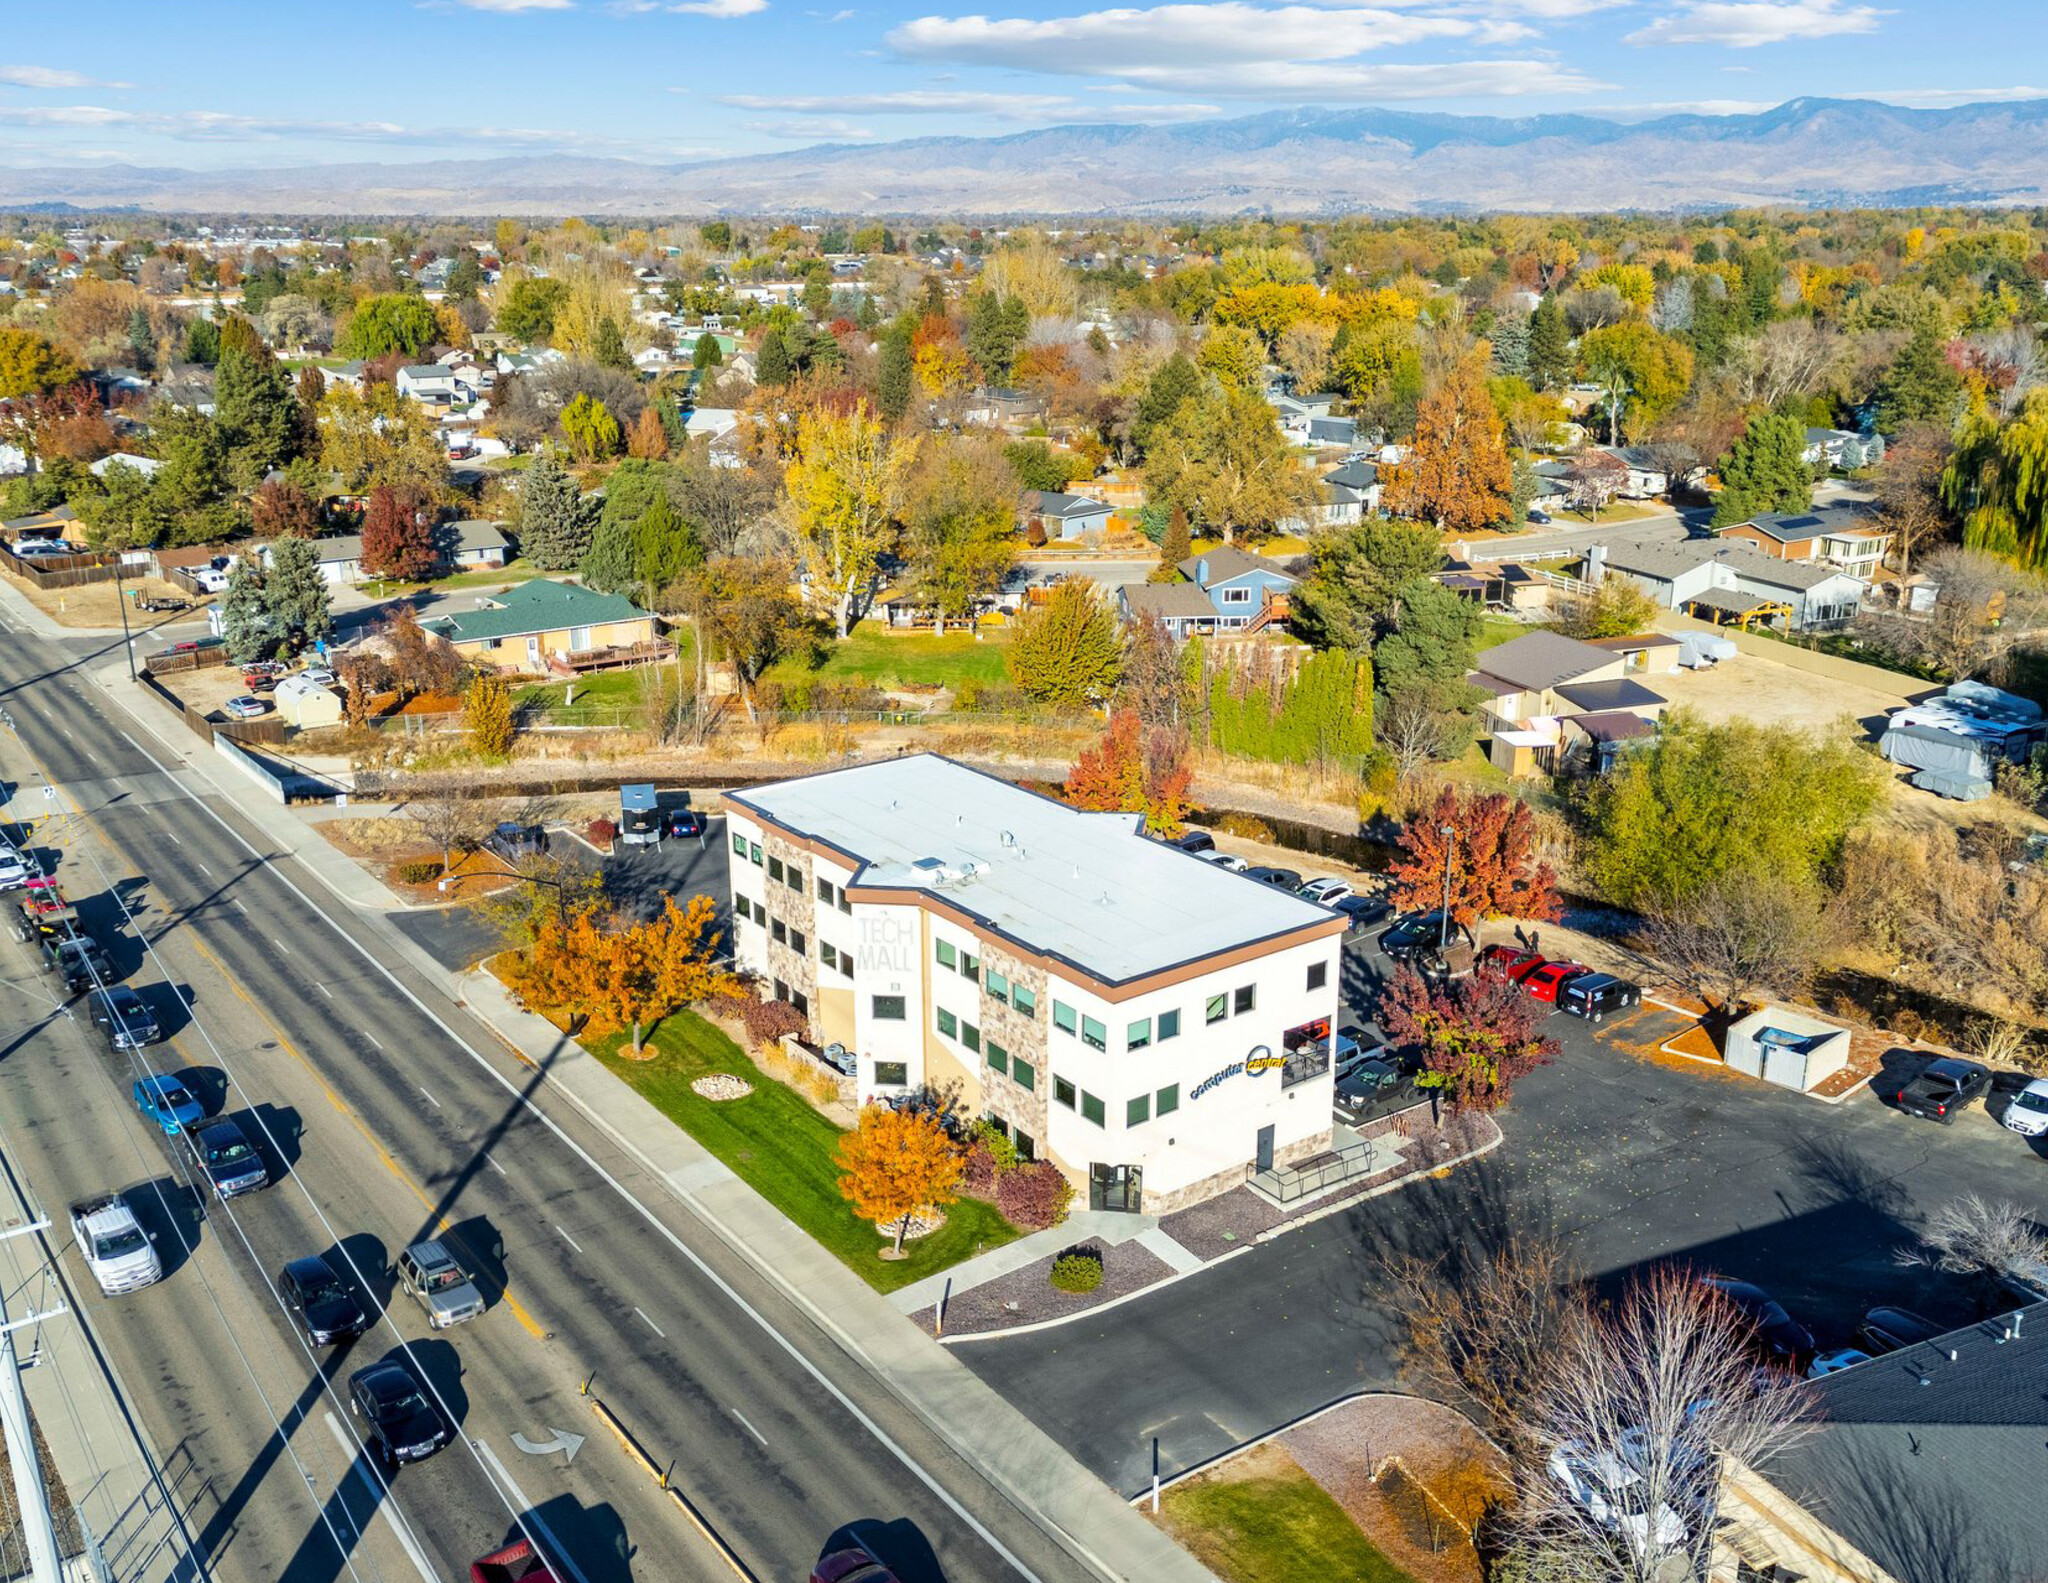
(594,1535)
(482,1249)
(172,1214)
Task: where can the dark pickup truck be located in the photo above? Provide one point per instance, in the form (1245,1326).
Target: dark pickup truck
(1942,1088)
(77,959)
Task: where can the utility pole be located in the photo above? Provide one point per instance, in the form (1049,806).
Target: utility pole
(31,1498)
(1443,933)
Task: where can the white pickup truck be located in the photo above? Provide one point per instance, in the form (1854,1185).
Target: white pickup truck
(114,1246)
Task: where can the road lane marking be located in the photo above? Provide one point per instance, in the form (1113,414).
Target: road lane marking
(380,1499)
(325,990)
(283,949)
(244,911)
(365,1032)
(568,1239)
(650,1324)
(430,1098)
(526,1515)
(67,733)
(493,1164)
(202,863)
(750,1429)
(174,837)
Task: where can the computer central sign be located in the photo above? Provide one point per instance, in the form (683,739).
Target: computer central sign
(1260,1059)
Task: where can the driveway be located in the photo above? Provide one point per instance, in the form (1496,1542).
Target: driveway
(1635,1161)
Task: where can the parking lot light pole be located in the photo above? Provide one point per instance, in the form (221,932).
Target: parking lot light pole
(448,881)
(1443,933)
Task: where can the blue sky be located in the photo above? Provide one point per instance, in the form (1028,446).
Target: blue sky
(214,83)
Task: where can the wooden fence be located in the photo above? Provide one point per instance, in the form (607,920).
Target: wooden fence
(267,732)
(170,661)
(64,571)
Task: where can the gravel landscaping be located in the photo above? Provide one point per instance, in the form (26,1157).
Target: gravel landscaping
(1027,1297)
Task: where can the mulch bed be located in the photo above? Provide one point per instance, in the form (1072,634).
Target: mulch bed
(1027,1296)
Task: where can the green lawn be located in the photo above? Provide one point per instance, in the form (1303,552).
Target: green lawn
(783,1149)
(1273,1530)
(619,689)
(885,659)
(1498,629)
(516,571)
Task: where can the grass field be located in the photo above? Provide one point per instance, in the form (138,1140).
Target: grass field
(619,689)
(1614,511)
(1498,629)
(779,1146)
(1277,1527)
(891,659)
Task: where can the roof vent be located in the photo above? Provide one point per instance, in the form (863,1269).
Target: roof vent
(1009,839)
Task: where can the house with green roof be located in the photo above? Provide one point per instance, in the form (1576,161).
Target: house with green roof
(542,625)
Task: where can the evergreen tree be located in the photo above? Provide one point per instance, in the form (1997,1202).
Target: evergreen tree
(610,346)
(246,626)
(1435,633)
(257,412)
(1325,716)
(1710,319)
(1765,471)
(1175,382)
(296,595)
(706,354)
(1550,350)
(141,341)
(1068,652)
(894,376)
(202,342)
(773,366)
(1177,544)
(1919,386)
(817,296)
(555,520)
(867,315)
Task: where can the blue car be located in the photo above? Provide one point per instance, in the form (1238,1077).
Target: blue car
(168,1103)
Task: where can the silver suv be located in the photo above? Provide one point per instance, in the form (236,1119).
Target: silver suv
(439,1284)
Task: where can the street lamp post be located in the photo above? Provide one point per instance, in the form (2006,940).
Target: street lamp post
(1443,933)
(448,881)
(121,599)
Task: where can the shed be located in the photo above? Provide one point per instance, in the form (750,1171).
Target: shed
(639,816)
(305,703)
(1792,1049)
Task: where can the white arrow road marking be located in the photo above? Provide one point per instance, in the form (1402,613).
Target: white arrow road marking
(558,1440)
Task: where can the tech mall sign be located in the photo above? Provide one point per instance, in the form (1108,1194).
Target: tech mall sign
(1260,1059)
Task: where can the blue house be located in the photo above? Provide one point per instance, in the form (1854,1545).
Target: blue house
(1062,516)
(1246,590)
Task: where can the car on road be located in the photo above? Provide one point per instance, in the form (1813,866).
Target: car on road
(227,1158)
(319,1301)
(114,1246)
(168,1103)
(1594,995)
(512,840)
(1617,1497)
(1236,865)
(1833,1362)
(42,909)
(435,1279)
(405,1425)
(1781,1337)
(686,823)
(1943,1087)
(1326,890)
(1414,936)
(1514,961)
(1894,1329)
(246,707)
(1195,841)
(1362,912)
(1278,878)
(1544,980)
(518,1562)
(855,1565)
(2027,1114)
(77,959)
(14,869)
(124,1018)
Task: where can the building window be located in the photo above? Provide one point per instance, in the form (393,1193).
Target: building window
(1091,1108)
(801,1001)
(1237,596)
(970,1036)
(1027,1146)
(1168,1026)
(998,1057)
(949,1024)
(781,990)
(824,888)
(739,845)
(1167,1101)
(845,906)
(799,942)
(970,966)
(778,933)
(754,853)
(1219,1008)
(1023,1001)
(892,1074)
(888,1008)
(1023,1073)
(775,868)
(1063,1092)
(948,957)
(1318,974)
(1245,996)
(1138,1034)
(1138,1111)
(1065,1018)
(828,955)
(1093,1034)
(998,986)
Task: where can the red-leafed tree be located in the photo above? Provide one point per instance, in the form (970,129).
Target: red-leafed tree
(1132,770)
(398,536)
(1477,1036)
(280,507)
(1491,851)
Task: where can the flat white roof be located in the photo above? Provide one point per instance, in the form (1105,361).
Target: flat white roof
(1082,887)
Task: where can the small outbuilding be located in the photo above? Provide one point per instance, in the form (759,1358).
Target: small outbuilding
(306,704)
(1793,1049)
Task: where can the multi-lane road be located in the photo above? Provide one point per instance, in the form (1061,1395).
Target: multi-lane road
(387,1115)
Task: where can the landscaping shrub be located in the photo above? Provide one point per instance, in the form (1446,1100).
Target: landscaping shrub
(602,833)
(978,1173)
(1077,1270)
(419,871)
(1000,1148)
(1034,1195)
(768,1020)
(1246,828)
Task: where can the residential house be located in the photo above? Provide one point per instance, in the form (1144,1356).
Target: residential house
(1350,492)
(544,624)
(1246,591)
(466,546)
(1838,448)
(1182,607)
(1844,536)
(1647,476)
(1922,1464)
(147,466)
(348,373)
(1534,684)
(1735,583)
(997,408)
(433,384)
(1057,515)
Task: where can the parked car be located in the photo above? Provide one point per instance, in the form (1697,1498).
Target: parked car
(1353,1047)
(1515,961)
(246,707)
(114,1246)
(320,676)
(1236,865)
(124,1018)
(168,1103)
(1616,1497)
(433,1278)
(405,1425)
(2028,1113)
(1894,1329)
(319,1301)
(1539,516)
(1417,935)
(75,958)
(1194,841)
(1835,1361)
(683,822)
(14,869)
(1544,980)
(227,1159)
(1942,1088)
(1326,890)
(1372,1088)
(513,841)
(1594,995)
(1778,1334)
(1362,912)
(1278,878)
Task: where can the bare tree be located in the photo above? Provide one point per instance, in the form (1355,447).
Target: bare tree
(1593,479)
(450,822)
(1415,733)
(1740,935)
(1648,1405)
(1981,1240)
(1908,491)
(1985,611)
(1790,357)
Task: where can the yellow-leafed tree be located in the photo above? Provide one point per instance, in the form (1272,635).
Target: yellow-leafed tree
(846,490)
(608,974)
(897,1163)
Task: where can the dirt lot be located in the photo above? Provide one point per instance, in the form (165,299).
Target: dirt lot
(1750,687)
(96,604)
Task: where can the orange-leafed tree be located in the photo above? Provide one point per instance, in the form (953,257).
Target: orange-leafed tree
(648,439)
(1456,473)
(1491,853)
(606,974)
(898,1163)
(1132,770)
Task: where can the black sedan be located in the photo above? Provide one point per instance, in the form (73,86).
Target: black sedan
(1778,1335)
(1413,937)
(405,1425)
(1942,1088)
(320,1302)
(1279,878)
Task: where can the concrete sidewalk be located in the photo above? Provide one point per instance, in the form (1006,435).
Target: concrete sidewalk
(1088,1225)
(1018,1459)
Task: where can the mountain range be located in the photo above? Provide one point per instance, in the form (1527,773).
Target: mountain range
(1808,152)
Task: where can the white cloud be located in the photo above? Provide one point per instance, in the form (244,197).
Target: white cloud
(1745,24)
(1282,82)
(52,77)
(509,6)
(825,130)
(724,10)
(1035,108)
(1946,98)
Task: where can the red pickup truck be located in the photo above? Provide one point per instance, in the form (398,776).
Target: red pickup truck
(518,1562)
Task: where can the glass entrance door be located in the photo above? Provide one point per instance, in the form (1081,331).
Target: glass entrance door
(1116,1187)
